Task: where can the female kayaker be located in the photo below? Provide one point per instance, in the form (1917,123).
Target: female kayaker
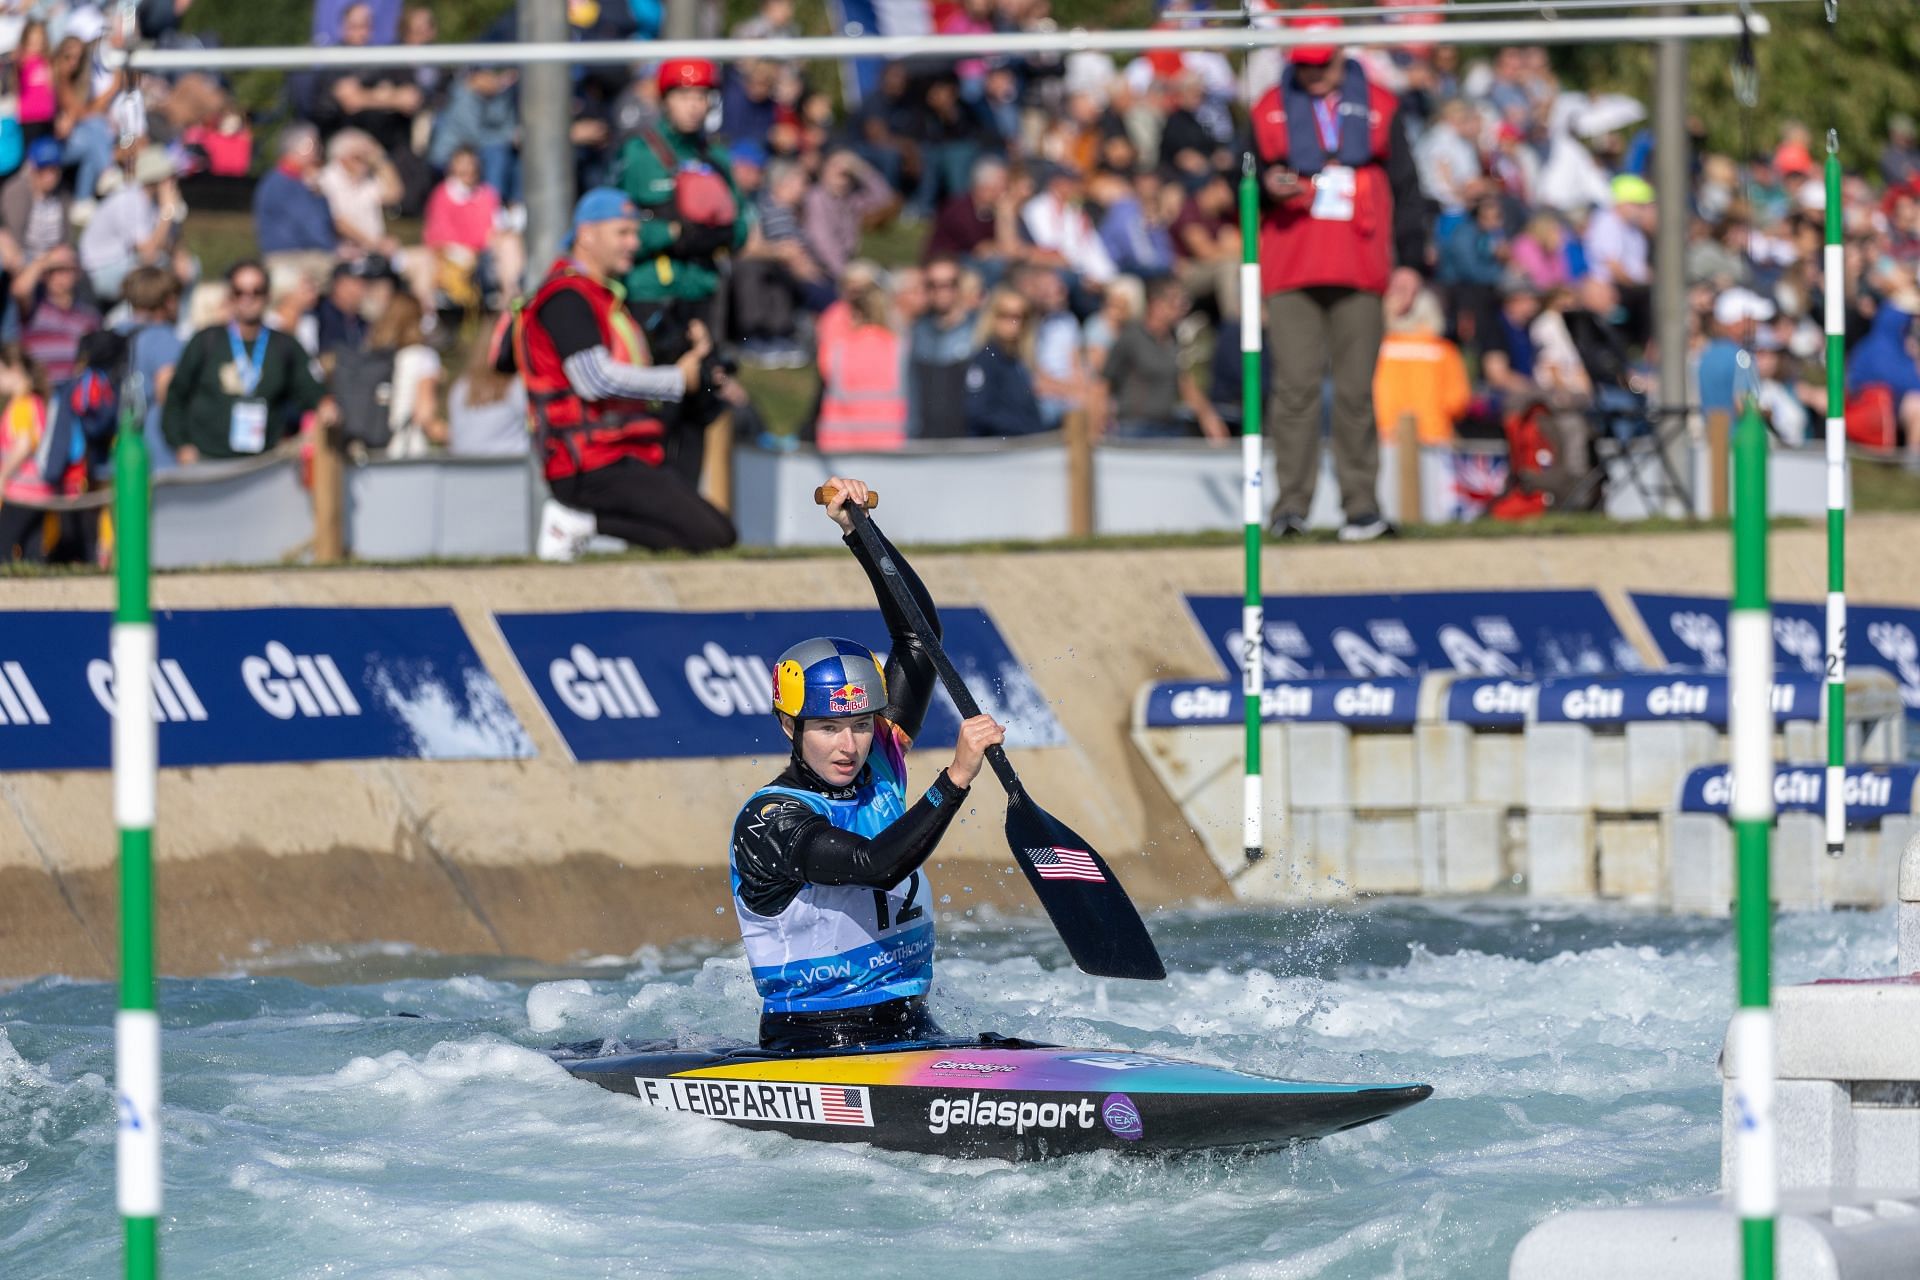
(826,859)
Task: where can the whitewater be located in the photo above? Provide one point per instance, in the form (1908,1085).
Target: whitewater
(314,1131)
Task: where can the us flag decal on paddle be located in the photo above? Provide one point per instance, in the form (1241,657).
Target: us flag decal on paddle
(1065,864)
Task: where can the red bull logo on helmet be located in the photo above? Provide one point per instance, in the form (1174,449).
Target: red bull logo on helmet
(848,699)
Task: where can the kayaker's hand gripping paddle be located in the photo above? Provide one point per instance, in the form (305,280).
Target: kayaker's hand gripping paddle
(1093,914)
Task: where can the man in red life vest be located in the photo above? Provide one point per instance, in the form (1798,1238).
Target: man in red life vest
(1342,215)
(594,400)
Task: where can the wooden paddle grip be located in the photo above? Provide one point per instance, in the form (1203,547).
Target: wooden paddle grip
(824,495)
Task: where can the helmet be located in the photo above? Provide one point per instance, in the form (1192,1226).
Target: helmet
(827,678)
(688,73)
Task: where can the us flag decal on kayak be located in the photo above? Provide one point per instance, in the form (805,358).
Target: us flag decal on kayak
(1065,864)
(758,1100)
(844,1106)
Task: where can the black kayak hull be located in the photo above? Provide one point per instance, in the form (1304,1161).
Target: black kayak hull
(998,1099)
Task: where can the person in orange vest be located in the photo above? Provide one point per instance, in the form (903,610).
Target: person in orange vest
(1342,215)
(1420,375)
(594,400)
(863,388)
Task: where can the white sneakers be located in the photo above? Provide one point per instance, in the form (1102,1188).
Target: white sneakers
(563,532)
(1365,528)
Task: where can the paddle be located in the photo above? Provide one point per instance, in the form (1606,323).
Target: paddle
(1082,896)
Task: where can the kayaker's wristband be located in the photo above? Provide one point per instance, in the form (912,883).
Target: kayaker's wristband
(945,790)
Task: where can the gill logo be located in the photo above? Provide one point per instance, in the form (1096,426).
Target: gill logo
(172,698)
(592,685)
(286,684)
(19,703)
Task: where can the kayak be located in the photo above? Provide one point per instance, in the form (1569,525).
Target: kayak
(992,1097)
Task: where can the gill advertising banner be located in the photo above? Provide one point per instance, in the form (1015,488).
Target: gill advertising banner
(1478,633)
(645,685)
(1499,703)
(257,686)
(1691,631)
(1392,703)
(1871,791)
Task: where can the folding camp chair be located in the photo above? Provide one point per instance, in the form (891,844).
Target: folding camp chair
(1628,434)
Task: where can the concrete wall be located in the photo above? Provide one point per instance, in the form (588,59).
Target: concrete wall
(554,860)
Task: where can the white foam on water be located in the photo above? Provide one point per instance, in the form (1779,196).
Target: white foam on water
(312,1133)
(550,1005)
(268,958)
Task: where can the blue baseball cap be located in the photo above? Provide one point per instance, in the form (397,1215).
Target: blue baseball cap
(45,153)
(602,204)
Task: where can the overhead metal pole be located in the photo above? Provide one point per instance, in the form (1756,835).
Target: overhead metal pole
(546,156)
(1671,165)
(1466,8)
(622,52)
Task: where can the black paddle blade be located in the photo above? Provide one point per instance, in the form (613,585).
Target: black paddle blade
(1082,896)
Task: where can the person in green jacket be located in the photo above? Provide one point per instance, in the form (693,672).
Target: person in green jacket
(692,215)
(691,212)
(240,388)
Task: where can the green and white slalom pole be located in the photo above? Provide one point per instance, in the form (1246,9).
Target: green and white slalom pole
(136,751)
(1756,1192)
(1836,289)
(1253,619)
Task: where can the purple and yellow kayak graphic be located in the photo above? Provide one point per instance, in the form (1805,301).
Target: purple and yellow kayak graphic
(1008,1099)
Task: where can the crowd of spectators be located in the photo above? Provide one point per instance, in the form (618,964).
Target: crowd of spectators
(1063,232)
(1074,212)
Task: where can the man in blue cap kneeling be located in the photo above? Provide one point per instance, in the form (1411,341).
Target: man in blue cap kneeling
(596,402)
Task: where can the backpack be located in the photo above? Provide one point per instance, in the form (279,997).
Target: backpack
(1871,418)
(701,194)
(81,420)
(362,385)
(1530,456)
(84,411)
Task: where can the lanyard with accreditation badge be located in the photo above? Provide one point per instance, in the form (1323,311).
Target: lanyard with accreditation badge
(1334,185)
(247,430)
(1326,116)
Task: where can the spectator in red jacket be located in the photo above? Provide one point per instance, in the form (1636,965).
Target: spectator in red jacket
(1342,214)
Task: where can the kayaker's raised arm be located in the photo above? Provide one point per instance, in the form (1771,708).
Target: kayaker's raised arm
(911,676)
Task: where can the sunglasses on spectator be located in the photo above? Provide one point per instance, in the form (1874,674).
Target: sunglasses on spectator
(1010,313)
(239,292)
(943,282)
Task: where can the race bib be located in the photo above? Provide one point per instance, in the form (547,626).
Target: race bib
(1333,189)
(247,432)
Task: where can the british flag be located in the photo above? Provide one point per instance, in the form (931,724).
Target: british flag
(1478,479)
(844,1106)
(1057,863)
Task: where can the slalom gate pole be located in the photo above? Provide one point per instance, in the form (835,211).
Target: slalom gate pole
(1751,1037)
(1253,624)
(135,761)
(1835,277)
